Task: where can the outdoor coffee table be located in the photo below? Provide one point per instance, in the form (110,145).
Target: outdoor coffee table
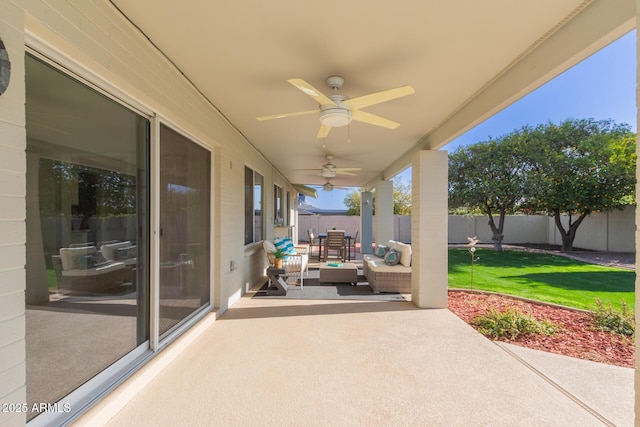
(347,272)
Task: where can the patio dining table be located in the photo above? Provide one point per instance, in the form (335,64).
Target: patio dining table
(322,236)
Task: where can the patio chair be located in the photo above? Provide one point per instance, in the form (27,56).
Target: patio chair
(335,241)
(353,243)
(294,265)
(312,242)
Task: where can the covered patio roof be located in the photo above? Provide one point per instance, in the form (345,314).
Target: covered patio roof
(466,61)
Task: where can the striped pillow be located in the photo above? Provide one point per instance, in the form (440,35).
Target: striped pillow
(285,244)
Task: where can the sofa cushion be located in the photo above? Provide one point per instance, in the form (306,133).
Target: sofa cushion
(110,251)
(70,256)
(392,257)
(381,251)
(404,251)
(96,271)
(377,265)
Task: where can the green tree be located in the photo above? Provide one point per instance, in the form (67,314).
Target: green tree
(579,167)
(352,202)
(489,176)
(401,199)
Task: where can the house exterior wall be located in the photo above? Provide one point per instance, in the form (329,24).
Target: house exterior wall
(12,217)
(94,41)
(94,37)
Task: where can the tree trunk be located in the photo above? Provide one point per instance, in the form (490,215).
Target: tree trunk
(498,237)
(568,235)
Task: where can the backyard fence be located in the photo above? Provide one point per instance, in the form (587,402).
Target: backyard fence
(612,232)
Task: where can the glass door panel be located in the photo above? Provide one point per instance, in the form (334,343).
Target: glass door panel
(184,228)
(87,280)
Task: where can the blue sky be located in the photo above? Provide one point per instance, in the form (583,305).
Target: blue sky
(602,86)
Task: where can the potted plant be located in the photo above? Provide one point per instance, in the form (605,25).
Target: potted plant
(278,255)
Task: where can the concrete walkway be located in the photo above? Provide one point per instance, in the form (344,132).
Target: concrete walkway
(269,362)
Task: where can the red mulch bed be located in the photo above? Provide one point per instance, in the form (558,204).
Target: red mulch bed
(576,337)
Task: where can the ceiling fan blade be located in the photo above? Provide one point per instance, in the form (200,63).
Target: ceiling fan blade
(341,172)
(311,91)
(324,131)
(378,97)
(372,119)
(283,115)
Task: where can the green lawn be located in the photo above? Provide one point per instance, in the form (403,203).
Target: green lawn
(543,277)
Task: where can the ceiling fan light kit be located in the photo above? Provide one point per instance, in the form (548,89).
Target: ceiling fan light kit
(335,117)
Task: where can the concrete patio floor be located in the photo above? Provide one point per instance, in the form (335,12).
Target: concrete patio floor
(359,363)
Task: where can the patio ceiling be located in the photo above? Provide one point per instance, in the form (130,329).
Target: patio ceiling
(466,60)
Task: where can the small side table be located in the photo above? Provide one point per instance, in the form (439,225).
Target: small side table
(277,285)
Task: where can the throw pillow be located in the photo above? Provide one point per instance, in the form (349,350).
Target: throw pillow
(285,245)
(123,253)
(85,261)
(391,257)
(381,251)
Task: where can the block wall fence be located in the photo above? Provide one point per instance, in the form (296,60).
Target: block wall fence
(611,232)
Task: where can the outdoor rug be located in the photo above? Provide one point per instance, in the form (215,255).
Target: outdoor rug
(313,289)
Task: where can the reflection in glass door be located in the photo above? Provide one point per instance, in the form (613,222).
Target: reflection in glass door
(184,229)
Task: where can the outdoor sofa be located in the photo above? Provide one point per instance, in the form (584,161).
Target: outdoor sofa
(386,274)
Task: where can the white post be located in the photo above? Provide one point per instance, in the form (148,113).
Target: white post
(384,212)
(366,222)
(429,222)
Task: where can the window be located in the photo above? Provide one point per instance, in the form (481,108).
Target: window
(278,206)
(287,212)
(253,194)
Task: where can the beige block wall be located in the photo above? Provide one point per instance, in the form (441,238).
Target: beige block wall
(12,217)
(612,231)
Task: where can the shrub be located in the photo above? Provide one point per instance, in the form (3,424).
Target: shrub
(607,319)
(511,324)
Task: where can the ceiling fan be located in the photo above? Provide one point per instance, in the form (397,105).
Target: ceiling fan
(328,186)
(329,170)
(337,110)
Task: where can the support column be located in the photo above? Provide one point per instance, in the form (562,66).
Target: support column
(429,204)
(366,222)
(384,212)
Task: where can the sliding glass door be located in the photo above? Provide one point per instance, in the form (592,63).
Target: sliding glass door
(185,217)
(90,316)
(87,304)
